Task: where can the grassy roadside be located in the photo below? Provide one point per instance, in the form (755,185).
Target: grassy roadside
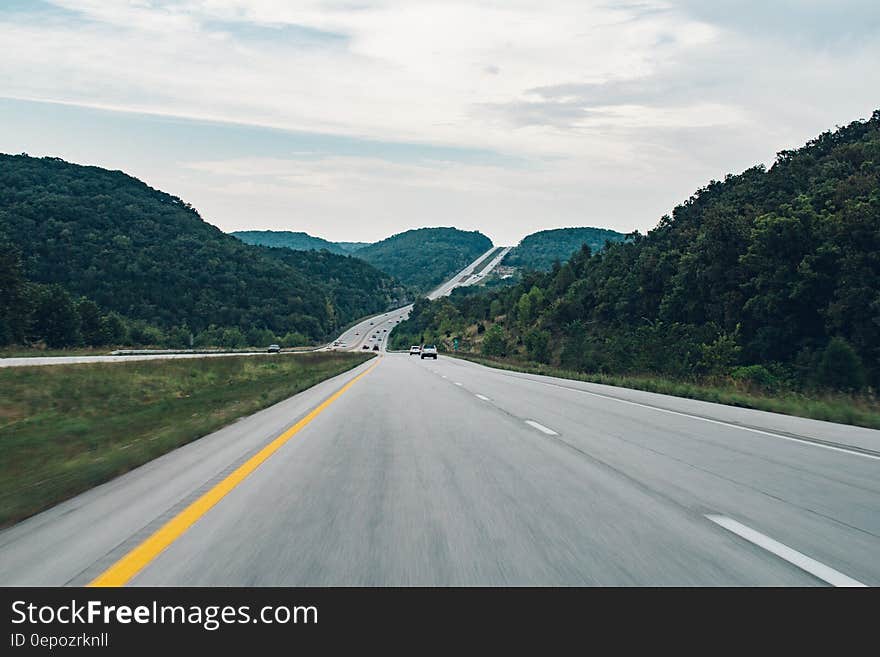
(845,409)
(66,428)
(24,352)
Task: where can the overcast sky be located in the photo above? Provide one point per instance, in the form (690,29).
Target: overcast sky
(356,119)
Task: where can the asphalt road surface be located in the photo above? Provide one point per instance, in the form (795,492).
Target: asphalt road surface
(421,472)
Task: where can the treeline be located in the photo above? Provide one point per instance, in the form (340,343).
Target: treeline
(426,257)
(295,240)
(150,258)
(770,278)
(540,250)
(48,315)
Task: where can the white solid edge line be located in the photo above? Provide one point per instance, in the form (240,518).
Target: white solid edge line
(541,428)
(483,397)
(457,383)
(803,441)
(802,561)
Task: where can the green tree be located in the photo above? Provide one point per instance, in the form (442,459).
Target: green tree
(113,329)
(90,322)
(142,334)
(13,296)
(840,367)
(537,345)
(179,337)
(524,310)
(294,339)
(232,338)
(257,337)
(54,320)
(494,342)
(720,355)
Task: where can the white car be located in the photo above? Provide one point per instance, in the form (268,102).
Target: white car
(415,350)
(428,351)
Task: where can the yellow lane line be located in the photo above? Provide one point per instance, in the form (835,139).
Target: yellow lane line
(132,563)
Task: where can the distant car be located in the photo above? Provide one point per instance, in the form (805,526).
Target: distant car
(375,347)
(366,346)
(428,351)
(274,349)
(415,350)
(385,330)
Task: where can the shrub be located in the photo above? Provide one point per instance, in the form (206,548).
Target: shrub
(179,337)
(537,345)
(144,335)
(718,356)
(89,322)
(755,375)
(55,319)
(232,338)
(840,367)
(494,342)
(113,330)
(294,339)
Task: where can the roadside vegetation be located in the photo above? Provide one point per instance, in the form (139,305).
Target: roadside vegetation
(857,409)
(762,289)
(67,428)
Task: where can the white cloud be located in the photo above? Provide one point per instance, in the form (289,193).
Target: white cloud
(650,98)
(408,70)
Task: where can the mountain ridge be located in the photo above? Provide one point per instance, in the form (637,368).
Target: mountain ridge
(150,256)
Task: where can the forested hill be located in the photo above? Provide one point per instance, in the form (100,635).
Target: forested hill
(425,257)
(769,275)
(540,250)
(149,256)
(351,247)
(297,241)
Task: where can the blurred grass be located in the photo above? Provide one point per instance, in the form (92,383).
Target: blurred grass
(863,411)
(66,428)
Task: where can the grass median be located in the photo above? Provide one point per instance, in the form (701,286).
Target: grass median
(859,410)
(66,428)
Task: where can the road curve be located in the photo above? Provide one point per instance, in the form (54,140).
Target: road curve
(374,331)
(450,473)
(354,337)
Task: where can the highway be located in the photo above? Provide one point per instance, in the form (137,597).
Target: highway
(411,472)
(354,338)
(374,331)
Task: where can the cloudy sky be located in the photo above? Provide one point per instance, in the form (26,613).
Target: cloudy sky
(356,119)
